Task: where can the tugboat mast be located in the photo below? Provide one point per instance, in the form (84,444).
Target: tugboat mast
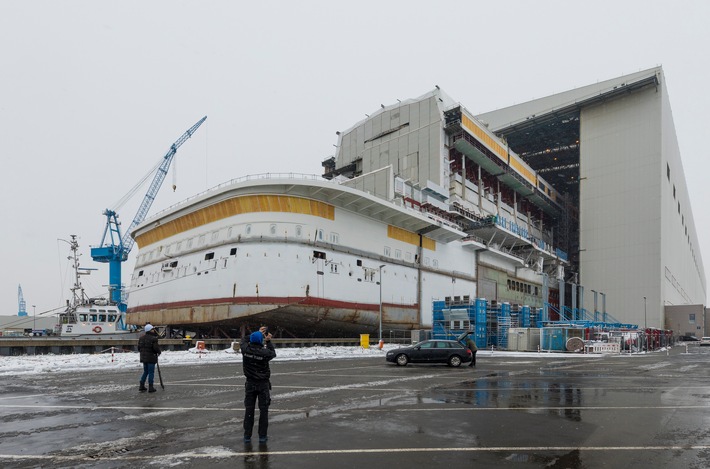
(79,296)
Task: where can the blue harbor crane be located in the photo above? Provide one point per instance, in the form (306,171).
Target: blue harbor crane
(114,247)
(22,307)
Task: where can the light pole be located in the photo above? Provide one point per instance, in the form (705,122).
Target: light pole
(34,318)
(380,274)
(645,339)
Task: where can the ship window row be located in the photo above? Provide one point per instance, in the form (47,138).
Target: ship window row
(234,232)
(408,256)
(84,317)
(514,285)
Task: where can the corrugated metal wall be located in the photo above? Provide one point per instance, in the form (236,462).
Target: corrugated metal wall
(413,148)
(634,210)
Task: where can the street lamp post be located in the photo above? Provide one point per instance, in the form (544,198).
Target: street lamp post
(34,318)
(644,323)
(380,274)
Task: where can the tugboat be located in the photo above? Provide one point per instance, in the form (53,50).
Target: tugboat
(91,318)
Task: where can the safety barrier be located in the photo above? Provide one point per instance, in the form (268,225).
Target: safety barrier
(602,347)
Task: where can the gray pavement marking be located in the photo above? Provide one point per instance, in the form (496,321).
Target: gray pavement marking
(28,396)
(577,388)
(232,454)
(325,370)
(203,385)
(386,409)
(355,386)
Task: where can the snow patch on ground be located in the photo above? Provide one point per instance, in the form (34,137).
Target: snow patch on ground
(157,413)
(112,445)
(46,364)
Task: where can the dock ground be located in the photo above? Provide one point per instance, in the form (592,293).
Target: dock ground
(646,410)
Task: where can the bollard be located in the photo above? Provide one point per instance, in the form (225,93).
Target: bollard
(200,346)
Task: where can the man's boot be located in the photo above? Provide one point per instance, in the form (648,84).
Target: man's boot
(151,388)
(142,387)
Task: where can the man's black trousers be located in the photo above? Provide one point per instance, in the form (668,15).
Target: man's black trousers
(252,392)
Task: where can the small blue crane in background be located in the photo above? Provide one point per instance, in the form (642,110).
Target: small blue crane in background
(114,247)
(22,311)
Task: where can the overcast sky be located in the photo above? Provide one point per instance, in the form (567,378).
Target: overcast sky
(93,93)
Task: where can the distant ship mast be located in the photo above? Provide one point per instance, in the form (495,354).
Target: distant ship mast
(79,297)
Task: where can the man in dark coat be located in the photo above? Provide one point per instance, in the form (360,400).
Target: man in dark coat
(149,351)
(257,350)
(471,345)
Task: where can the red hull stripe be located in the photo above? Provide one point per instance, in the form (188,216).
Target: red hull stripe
(267,300)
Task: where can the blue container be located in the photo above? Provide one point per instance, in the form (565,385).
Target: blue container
(553,338)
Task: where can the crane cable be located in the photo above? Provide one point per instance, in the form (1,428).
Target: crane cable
(121,202)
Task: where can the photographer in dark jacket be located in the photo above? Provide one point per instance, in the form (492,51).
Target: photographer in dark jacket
(255,358)
(149,351)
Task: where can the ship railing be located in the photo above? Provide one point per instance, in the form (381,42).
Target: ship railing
(251,177)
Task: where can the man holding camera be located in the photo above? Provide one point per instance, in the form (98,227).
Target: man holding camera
(257,350)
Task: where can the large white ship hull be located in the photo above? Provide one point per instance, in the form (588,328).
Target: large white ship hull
(326,272)
(279,284)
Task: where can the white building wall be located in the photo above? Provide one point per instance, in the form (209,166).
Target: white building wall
(620,201)
(637,233)
(683,275)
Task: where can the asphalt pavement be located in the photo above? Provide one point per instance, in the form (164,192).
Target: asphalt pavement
(647,410)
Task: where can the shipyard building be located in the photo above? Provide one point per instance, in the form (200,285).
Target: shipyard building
(567,208)
(572,202)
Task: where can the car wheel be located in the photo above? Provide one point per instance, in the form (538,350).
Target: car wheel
(454,360)
(402,359)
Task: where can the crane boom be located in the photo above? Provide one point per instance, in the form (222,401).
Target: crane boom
(127,239)
(116,248)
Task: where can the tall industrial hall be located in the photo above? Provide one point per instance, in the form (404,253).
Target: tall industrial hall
(575,201)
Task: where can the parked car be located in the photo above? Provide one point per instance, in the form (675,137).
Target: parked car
(705,341)
(688,338)
(431,351)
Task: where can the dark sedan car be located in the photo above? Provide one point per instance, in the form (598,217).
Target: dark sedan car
(431,351)
(688,338)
